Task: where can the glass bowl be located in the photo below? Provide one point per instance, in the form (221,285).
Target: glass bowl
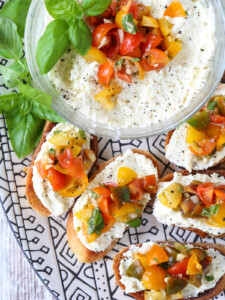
(34,30)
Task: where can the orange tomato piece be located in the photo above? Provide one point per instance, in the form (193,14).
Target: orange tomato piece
(102,191)
(179,267)
(154,278)
(174,10)
(58,180)
(41,169)
(136,190)
(193,266)
(149,183)
(213,131)
(156,255)
(204,147)
(76,169)
(106,73)
(154,59)
(103,205)
(220,196)
(218,220)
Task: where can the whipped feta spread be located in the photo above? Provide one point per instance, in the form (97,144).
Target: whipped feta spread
(142,166)
(168,216)
(163,93)
(55,203)
(133,285)
(178,151)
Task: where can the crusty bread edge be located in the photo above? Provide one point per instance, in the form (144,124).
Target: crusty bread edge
(82,253)
(32,198)
(220,286)
(169,177)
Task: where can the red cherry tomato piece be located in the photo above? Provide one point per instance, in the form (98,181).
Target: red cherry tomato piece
(136,53)
(76,169)
(105,73)
(100,32)
(205,192)
(113,47)
(41,169)
(136,190)
(65,158)
(154,59)
(149,183)
(152,41)
(130,42)
(95,21)
(133,9)
(102,191)
(123,76)
(58,180)
(218,119)
(179,268)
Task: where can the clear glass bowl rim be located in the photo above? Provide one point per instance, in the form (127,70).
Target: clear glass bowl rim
(33,32)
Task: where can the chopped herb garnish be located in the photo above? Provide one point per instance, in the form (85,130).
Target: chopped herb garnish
(82,134)
(212,105)
(94,195)
(171,57)
(135,222)
(135,59)
(51,151)
(96,222)
(57,132)
(155,259)
(209,278)
(186,13)
(119,62)
(78,229)
(209,211)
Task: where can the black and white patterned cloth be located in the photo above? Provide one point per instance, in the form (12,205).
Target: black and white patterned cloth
(44,241)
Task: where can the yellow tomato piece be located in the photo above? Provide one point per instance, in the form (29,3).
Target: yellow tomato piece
(104,97)
(143,11)
(75,138)
(141,72)
(77,187)
(175,9)
(212,130)
(60,169)
(94,54)
(122,214)
(90,155)
(125,175)
(171,47)
(119,17)
(156,255)
(154,295)
(194,135)
(194,267)
(171,196)
(60,139)
(76,150)
(165,27)
(149,22)
(85,214)
(218,220)
(141,258)
(154,278)
(221,142)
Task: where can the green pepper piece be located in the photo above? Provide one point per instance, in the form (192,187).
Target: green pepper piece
(175,285)
(200,121)
(200,253)
(221,105)
(135,270)
(180,248)
(120,194)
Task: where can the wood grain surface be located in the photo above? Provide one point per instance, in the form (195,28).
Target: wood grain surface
(18,281)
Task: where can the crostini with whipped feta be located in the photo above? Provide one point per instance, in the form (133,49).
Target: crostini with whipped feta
(59,168)
(199,144)
(170,270)
(115,198)
(193,201)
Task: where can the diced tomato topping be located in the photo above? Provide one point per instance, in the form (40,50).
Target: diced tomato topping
(58,180)
(220,195)
(113,47)
(135,53)
(95,21)
(76,169)
(136,190)
(106,73)
(130,42)
(149,183)
(218,119)
(100,32)
(123,76)
(41,169)
(205,192)
(154,59)
(102,191)
(113,8)
(203,147)
(179,268)
(133,9)
(103,204)
(65,158)
(152,41)
(110,184)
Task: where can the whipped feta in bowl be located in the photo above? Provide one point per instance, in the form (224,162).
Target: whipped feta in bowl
(146,107)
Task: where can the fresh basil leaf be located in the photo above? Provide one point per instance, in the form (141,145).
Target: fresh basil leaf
(8,102)
(96,222)
(82,134)
(15,72)
(135,222)
(80,36)
(128,24)
(209,211)
(52,45)
(121,193)
(135,59)
(24,132)
(209,278)
(46,113)
(16,10)
(35,95)
(95,7)
(63,9)
(11,46)
(24,106)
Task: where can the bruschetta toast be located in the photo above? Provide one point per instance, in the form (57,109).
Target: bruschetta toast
(114,200)
(42,191)
(193,201)
(170,270)
(199,144)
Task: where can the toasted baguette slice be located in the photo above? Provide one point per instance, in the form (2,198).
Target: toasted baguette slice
(208,294)
(82,253)
(169,177)
(32,198)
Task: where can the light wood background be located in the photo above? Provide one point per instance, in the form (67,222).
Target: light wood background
(18,280)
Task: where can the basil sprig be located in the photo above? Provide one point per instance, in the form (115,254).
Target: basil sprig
(96,222)
(68,28)
(128,24)
(209,211)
